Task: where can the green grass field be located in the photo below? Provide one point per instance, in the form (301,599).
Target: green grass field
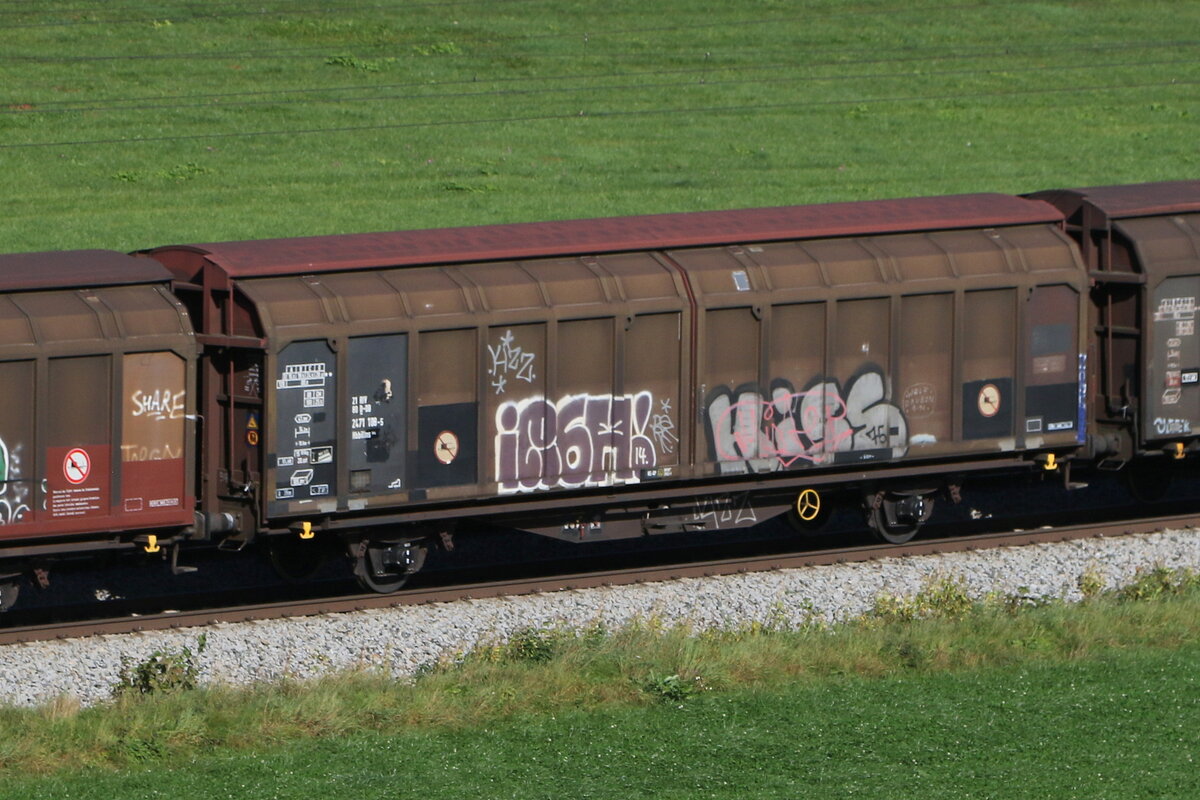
(1121,727)
(936,697)
(131,124)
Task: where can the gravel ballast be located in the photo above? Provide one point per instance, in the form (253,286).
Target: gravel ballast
(401,640)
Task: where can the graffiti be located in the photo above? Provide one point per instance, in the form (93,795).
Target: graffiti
(580,440)
(919,400)
(662,428)
(726,510)
(139,452)
(1165,426)
(252,385)
(159,404)
(507,361)
(753,431)
(13,492)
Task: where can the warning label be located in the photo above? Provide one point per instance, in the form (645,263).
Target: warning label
(77,502)
(77,484)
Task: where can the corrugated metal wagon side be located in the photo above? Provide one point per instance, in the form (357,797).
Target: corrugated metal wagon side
(959,348)
(1141,244)
(96,414)
(618,377)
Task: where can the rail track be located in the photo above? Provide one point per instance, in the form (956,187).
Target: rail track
(589,579)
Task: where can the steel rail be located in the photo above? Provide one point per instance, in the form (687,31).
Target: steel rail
(588,580)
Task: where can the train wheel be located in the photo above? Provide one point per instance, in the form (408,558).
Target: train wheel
(294,559)
(8,594)
(896,518)
(384,567)
(809,512)
(1148,480)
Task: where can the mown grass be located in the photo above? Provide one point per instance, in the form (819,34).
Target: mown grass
(148,123)
(904,646)
(1120,726)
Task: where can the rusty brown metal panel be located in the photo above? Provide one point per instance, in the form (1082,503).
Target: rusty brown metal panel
(99,443)
(616,234)
(916,257)
(143,311)
(847,261)
(434,292)
(1168,254)
(788,266)
(642,279)
(567,282)
(805,269)
(715,273)
(1134,200)
(505,286)
(61,316)
(924,371)
(76,268)
(286,303)
(16,329)
(973,253)
(1159,241)
(365,296)
(103,313)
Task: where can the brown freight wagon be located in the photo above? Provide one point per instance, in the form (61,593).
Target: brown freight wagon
(591,379)
(97,366)
(1141,246)
(621,377)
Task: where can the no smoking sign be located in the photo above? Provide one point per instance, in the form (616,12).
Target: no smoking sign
(77,466)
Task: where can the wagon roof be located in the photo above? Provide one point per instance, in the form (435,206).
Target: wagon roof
(615,234)
(76,269)
(1134,200)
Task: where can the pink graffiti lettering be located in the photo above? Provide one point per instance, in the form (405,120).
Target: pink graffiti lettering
(755,431)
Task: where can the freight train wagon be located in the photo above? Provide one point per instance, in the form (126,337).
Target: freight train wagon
(594,379)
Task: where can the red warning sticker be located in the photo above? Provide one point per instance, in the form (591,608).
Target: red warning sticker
(77,466)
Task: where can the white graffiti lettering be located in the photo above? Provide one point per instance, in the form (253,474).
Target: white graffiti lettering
(157,404)
(14,492)
(1170,426)
(754,431)
(137,452)
(252,385)
(580,440)
(725,511)
(662,427)
(508,360)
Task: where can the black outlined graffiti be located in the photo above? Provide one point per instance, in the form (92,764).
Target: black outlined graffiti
(580,440)
(750,430)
